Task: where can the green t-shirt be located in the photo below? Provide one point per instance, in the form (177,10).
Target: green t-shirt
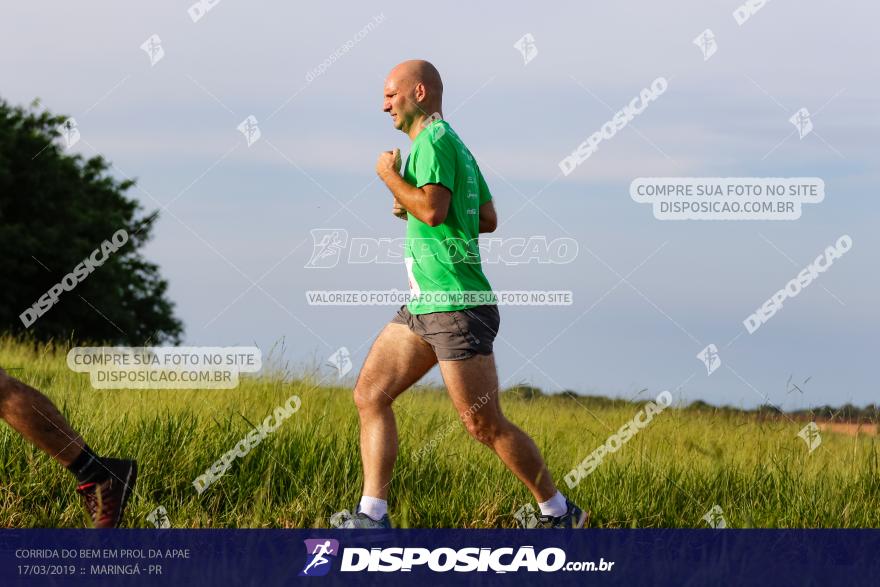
(443,262)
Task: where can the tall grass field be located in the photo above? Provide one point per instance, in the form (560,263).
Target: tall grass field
(669,474)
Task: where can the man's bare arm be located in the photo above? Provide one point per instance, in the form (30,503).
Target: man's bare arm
(429,203)
(488,217)
(398,210)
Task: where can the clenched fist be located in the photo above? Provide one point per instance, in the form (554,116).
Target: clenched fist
(388,161)
(399,210)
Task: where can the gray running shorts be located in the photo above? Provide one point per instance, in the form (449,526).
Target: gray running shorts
(455,335)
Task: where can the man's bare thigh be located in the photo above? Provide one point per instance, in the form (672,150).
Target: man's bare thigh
(473,386)
(397,360)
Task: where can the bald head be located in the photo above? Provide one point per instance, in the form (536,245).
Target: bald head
(413,92)
(418,71)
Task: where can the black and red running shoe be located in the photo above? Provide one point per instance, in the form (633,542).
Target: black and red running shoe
(106,500)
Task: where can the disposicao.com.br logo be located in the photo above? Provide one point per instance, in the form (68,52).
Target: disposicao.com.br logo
(318,550)
(442,559)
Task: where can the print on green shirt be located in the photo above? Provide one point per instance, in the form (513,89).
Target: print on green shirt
(443,262)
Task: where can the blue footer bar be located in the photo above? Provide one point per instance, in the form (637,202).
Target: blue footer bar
(439,557)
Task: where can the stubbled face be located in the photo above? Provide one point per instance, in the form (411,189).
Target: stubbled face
(400,102)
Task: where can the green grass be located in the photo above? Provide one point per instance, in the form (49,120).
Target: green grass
(668,475)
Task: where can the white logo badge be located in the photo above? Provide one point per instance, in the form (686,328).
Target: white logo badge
(70,132)
(706,42)
(526,516)
(801,120)
(153,48)
(437,130)
(159,518)
(327,247)
(526,46)
(715,518)
(341,359)
(810,435)
(250,130)
(710,358)
(339,518)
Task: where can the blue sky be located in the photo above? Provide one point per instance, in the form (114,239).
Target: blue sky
(237,215)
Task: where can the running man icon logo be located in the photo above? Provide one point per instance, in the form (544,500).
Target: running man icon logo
(801,120)
(438,130)
(159,517)
(706,43)
(153,48)
(341,359)
(810,435)
(70,131)
(250,130)
(710,358)
(328,244)
(339,518)
(526,46)
(715,518)
(317,551)
(526,516)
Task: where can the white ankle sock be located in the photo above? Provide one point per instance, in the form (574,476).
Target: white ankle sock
(555,506)
(374,507)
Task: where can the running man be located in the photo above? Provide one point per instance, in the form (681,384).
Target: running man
(104,484)
(319,552)
(446,203)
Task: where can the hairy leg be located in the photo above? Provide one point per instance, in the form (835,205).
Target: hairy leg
(473,387)
(32,415)
(397,359)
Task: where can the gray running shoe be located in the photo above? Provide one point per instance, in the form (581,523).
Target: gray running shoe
(574,517)
(362,520)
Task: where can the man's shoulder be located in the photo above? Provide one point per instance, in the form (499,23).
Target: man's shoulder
(438,134)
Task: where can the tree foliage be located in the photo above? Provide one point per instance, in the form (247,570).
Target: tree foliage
(56,208)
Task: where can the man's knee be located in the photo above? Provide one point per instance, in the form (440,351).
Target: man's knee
(485,430)
(366,397)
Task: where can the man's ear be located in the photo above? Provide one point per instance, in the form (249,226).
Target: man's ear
(420,92)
